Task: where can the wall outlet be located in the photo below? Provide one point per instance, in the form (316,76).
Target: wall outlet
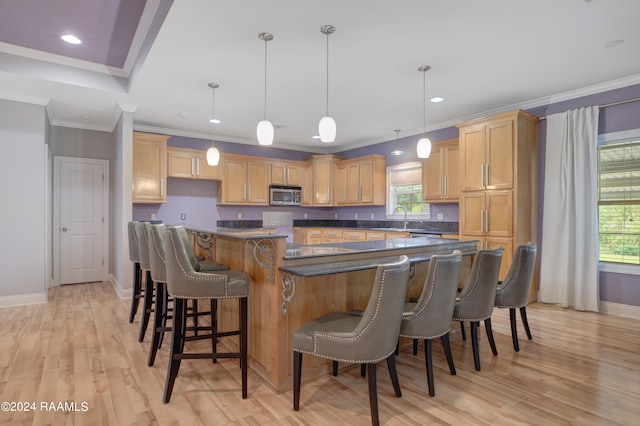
(153,216)
(356,215)
(305,215)
(335,216)
(440,216)
(372,216)
(183,216)
(239,216)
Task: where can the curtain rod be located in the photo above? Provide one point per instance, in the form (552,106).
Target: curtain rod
(609,104)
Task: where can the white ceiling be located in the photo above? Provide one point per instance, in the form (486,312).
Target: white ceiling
(486,56)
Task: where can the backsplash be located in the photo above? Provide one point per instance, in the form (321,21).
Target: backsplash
(435,226)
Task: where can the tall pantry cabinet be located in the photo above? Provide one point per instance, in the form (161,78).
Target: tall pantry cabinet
(499,182)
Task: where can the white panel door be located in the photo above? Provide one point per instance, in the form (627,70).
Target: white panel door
(81,222)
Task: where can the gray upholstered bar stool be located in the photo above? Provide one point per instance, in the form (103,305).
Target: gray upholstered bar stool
(199,266)
(513,291)
(430,317)
(185,283)
(134,256)
(475,301)
(364,339)
(145,266)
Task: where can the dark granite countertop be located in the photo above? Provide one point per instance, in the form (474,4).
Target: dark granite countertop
(300,251)
(380,251)
(242,233)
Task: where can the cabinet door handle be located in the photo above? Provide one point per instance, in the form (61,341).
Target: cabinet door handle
(162,187)
(197,167)
(482,220)
(244,191)
(486,173)
(345,195)
(192,166)
(249,191)
(486,219)
(440,185)
(444,187)
(482,174)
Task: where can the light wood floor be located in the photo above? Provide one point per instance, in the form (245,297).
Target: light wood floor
(580,368)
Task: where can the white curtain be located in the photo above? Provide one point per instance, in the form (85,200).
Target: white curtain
(569,252)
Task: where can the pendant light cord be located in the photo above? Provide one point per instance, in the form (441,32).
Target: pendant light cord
(213,111)
(327,73)
(265,78)
(424,103)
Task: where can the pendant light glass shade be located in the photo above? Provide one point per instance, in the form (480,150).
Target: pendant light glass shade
(327,129)
(264,131)
(423,148)
(327,126)
(213,154)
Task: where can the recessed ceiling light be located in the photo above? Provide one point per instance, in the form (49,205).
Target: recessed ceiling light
(71,39)
(614,43)
(397,152)
(215,121)
(437,99)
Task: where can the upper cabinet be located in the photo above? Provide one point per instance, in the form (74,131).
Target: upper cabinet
(149,168)
(487,160)
(357,180)
(499,192)
(440,173)
(323,172)
(244,180)
(287,172)
(190,164)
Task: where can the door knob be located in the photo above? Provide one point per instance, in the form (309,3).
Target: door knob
(64,229)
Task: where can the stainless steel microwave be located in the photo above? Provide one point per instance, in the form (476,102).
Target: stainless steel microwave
(282,195)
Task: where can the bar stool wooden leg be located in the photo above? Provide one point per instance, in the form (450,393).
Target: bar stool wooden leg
(214,329)
(148,301)
(177,347)
(137,288)
(158,321)
(244,341)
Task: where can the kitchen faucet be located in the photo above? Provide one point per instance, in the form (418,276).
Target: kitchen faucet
(405,214)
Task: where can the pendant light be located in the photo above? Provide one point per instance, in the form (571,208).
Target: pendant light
(327,125)
(213,155)
(424,144)
(264,130)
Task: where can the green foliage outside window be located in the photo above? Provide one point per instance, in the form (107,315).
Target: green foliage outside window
(619,229)
(410,197)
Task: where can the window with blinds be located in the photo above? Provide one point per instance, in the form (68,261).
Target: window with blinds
(404,188)
(619,202)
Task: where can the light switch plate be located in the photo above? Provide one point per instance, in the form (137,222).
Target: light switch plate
(440,216)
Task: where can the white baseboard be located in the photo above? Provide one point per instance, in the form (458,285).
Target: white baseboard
(122,293)
(22,299)
(620,310)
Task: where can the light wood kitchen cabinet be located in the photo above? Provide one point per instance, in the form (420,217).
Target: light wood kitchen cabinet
(357,180)
(287,173)
(323,170)
(498,198)
(149,168)
(352,235)
(487,154)
(307,185)
(395,234)
(440,173)
(190,164)
(244,180)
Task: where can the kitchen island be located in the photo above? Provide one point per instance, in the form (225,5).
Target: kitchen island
(292,284)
